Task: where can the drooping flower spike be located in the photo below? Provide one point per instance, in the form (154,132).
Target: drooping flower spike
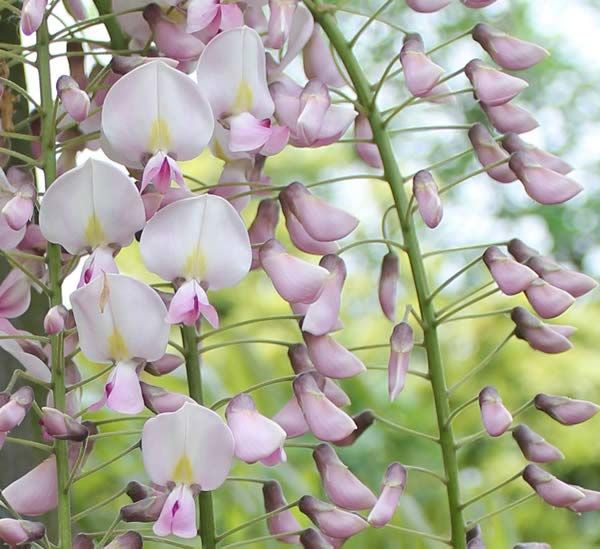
(122,320)
(202,241)
(175,122)
(185,451)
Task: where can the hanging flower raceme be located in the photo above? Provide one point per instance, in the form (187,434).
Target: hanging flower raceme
(203,242)
(121,320)
(174,122)
(92,208)
(186,451)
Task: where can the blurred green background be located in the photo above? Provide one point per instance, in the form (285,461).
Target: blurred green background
(563,95)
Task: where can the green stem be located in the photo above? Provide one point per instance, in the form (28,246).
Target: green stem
(105,464)
(491,490)
(389,243)
(413,250)
(454,277)
(99,505)
(246,322)
(193,369)
(29,443)
(117,39)
(505,508)
(48,112)
(462,407)
(253,388)
(261,539)
(406,430)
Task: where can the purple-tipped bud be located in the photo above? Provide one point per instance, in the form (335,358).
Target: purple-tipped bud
(494,415)
(427,6)
(363,421)
(164,365)
(299,358)
(318,61)
(15,407)
(591,501)
(312,539)
(332,521)
(547,300)
(263,226)
(421,74)
(340,484)
(521,251)
(20,532)
(332,359)
(321,220)
(75,101)
(81,541)
(388,284)
(510,276)
(475,538)
(428,200)
(493,87)
(147,509)
(509,118)
(513,143)
(576,284)
(138,491)
(489,152)
(566,410)
(392,488)
(257,438)
(160,400)
(281,522)
(552,490)
(532,545)
(325,420)
(548,338)
(534,447)
(128,540)
(61,426)
(508,52)
(54,321)
(542,184)
(401,345)
(367,151)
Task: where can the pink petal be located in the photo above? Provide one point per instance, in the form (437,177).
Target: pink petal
(178,515)
(15,294)
(318,61)
(36,492)
(510,118)
(548,301)
(489,152)
(123,391)
(18,211)
(493,87)
(420,73)
(331,358)
(247,132)
(189,303)
(367,151)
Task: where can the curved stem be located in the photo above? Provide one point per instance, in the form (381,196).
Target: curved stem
(392,173)
(403,429)
(491,490)
(246,322)
(253,388)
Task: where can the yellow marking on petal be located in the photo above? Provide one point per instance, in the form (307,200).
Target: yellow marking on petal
(117,348)
(183,473)
(194,265)
(244,98)
(94,233)
(160,136)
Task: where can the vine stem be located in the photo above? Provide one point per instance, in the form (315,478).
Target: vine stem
(47,109)
(189,337)
(392,173)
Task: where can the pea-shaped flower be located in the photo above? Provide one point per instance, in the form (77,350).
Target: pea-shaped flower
(203,241)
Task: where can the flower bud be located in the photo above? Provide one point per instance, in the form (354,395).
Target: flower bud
(474,538)
(32,15)
(546,338)
(128,540)
(513,143)
(509,118)
(367,151)
(263,226)
(520,251)
(160,401)
(507,51)
(164,365)
(15,408)
(572,282)
(144,510)
(82,541)
(19,209)
(510,276)
(542,184)
(493,87)
(534,447)
(427,6)
(428,200)
(566,410)
(420,73)
(340,484)
(138,491)
(20,532)
(325,420)
(591,501)
(332,521)
(54,321)
(388,284)
(552,490)
(489,152)
(61,426)
(75,101)
(15,294)
(281,522)
(494,415)
(532,545)
(312,539)
(318,61)
(392,488)
(547,300)
(331,358)
(299,358)
(401,345)
(363,421)
(257,438)
(477,4)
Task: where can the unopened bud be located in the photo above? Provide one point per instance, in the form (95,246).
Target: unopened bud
(392,488)
(489,152)
(164,365)
(421,73)
(552,490)
(20,532)
(388,284)
(494,415)
(332,521)
(54,321)
(534,447)
(428,200)
(363,421)
(283,522)
(510,276)
(61,426)
(566,410)
(128,540)
(75,101)
(493,87)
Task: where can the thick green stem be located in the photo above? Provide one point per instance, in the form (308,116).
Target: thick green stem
(194,380)
(54,270)
(392,173)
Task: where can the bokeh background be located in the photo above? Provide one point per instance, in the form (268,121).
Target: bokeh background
(563,94)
